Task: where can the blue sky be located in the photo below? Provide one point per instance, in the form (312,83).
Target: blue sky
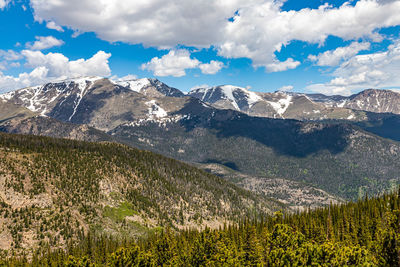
(332,47)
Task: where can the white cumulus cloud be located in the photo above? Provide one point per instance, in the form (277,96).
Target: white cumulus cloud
(10,55)
(151,22)
(282,65)
(258,30)
(55,66)
(124,78)
(379,70)
(44,42)
(173,64)
(3,3)
(334,57)
(211,68)
(176,62)
(53,26)
(9,58)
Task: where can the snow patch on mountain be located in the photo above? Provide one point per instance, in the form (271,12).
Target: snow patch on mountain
(7,96)
(282,104)
(141,86)
(161,122)
(341,104)
(135,85)
(80,80)
(83,84)
(32,101)
(228,92)
(155,110)
(236,96)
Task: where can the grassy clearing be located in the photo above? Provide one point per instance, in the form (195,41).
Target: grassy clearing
(119,213)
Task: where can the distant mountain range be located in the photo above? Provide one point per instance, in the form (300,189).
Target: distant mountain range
(330,143)
(62,99)
(299,106)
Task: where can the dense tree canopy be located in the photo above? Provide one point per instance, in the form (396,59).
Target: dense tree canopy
(363,233)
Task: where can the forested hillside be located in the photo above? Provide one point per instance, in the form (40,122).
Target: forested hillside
(365,233)
(341,159)
(55,191)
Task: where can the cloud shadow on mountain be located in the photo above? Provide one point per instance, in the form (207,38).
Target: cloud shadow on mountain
(386,125)
(285,137)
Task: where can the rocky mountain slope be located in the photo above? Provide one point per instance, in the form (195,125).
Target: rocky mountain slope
(227,97)
(300,106)
(46,126)
(295,195)
(97,102)
(82,100)
(9,111)
(57,190)
(373,100)
(271,105)
(18,119)
(150,87)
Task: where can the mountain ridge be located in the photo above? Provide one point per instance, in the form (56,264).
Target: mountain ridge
(279,104)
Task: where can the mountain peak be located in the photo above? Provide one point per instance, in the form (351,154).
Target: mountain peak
(80,79)
(148,86)
(42,98)
(134,84)
(227,96)
(376,92)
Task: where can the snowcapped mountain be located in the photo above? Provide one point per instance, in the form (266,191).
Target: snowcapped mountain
(152,87)
(373,100)
(227,97)
(42,99)
(325,98)
(99,102)
(279,104)
(105,104)
(268,105)
(289,105)
(47,99)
